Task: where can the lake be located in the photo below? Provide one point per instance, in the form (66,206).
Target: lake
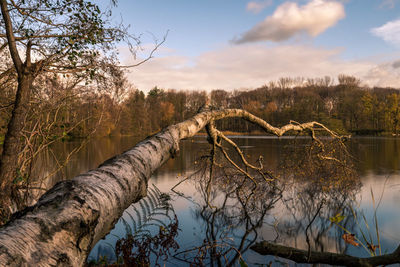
(218,228)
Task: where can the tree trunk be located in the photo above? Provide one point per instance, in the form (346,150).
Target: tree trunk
(12,142)
(68,220)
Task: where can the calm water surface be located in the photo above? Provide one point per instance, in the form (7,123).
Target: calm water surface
(286,219)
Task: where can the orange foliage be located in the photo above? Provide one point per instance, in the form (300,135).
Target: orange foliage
(271,107)
(350,239)
(253,107)
(167,111)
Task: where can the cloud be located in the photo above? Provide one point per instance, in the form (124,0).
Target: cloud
(396,64)
(388,4)
(257,6)
(252,65)
(289,19)
(390,32)
(384,75)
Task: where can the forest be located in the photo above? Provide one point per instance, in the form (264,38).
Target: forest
(68,110)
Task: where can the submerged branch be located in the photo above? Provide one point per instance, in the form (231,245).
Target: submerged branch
(304,256)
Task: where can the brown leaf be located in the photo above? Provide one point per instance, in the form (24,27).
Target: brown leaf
(350,239)
(372,247)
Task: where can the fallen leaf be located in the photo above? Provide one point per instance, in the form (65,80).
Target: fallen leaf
(350,239)
(337,218)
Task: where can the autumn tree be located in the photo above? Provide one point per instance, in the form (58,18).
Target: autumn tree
(167,111)
(393,112)
(154,98)
(178,99)
(194,101)
(63,37)
(348,80)
(134,114)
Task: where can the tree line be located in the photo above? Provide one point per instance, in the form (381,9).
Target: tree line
(65,110)
(346,107)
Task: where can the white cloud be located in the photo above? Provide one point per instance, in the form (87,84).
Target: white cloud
(257,6)
(289,19)
(250,66)
(384,75)
(390,32)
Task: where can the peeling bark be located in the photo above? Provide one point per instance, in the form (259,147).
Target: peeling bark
(68,220)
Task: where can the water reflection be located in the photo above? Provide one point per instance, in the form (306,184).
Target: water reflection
(307,192)
(376,154)
(145,233)
(372,154)
(217,228)
(64,160)
(229,214)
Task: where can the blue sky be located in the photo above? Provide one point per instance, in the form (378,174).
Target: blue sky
(221,44)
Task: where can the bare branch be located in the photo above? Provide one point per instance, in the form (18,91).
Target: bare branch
(302,256)
(28,54)
(29,14)
(158,44)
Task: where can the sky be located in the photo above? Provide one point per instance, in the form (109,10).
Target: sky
(238,44)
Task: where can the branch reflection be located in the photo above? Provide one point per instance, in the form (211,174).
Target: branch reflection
(309,186)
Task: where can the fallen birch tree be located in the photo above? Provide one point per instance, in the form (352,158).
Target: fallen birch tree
(69,219)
